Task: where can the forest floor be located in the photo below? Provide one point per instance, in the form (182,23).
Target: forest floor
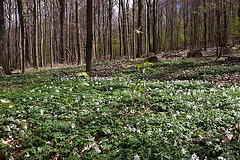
(181,108)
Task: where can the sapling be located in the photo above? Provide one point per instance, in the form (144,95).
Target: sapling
(143,68)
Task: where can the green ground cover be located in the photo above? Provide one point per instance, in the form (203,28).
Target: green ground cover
(183,110)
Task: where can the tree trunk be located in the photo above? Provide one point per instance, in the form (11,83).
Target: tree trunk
(134,33)
(148,13)
(140,36)
(62,33)
(89,41)
(124,27)
(9,34)
(205,25)
(110,29)
(99,30)
(120,28)
(22,39)
(80,60)
(36,33)
(154,28)
(104,31)
(51,37)
(5,62)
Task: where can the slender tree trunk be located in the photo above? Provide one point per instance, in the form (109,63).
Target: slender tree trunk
(120,28)
(110,29)
(62,33)
(154,28)
(17,57)
(9,33)
(124,27)
(22,39)
(36,33)
(89,41)
(140,36)
(205,25)
(104,30)
(99,30)
(51,37)
(148,13)
(80,60)
(134,33)
(5,64)
(225,24)
(41,32)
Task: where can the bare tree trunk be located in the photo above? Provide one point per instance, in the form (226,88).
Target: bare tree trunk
(205,25)
(36,33)
(51,37)
(154,28)
(42,35)
(140,36)
(134,33)
(99,30)
(124,27)
(89,41)
(104,31)
(9,33)
(22,39)
(5,64)
(62,33)
(80,59)
(120,28)
(110,29)
(148,14)
(17,57)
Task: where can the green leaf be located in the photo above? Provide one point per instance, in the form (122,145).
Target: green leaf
(139,65)
(82,74)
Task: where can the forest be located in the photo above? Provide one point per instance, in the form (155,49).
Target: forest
(120,79)
(40,33)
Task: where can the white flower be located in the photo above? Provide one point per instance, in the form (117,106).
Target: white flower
(184,151)
(41,111)
(30,98)
(149,132)
(73,125)
(70,89)
(170,131)
(195,157)
(11,106)
(57,91)
(217,147)
(45,100)
(5,101)
(138,131)
(104,114)
(174,116)
(24,100)
(111,88)
(221,158)
(188,117)
(136,157)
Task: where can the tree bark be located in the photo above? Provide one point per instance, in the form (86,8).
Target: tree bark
(36,33)
(80,60)
(62,33)
(89,41)
(205,25)
(140,36)
(148,13)
(110,29)
(154,28)
(22,39)
(3,57)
